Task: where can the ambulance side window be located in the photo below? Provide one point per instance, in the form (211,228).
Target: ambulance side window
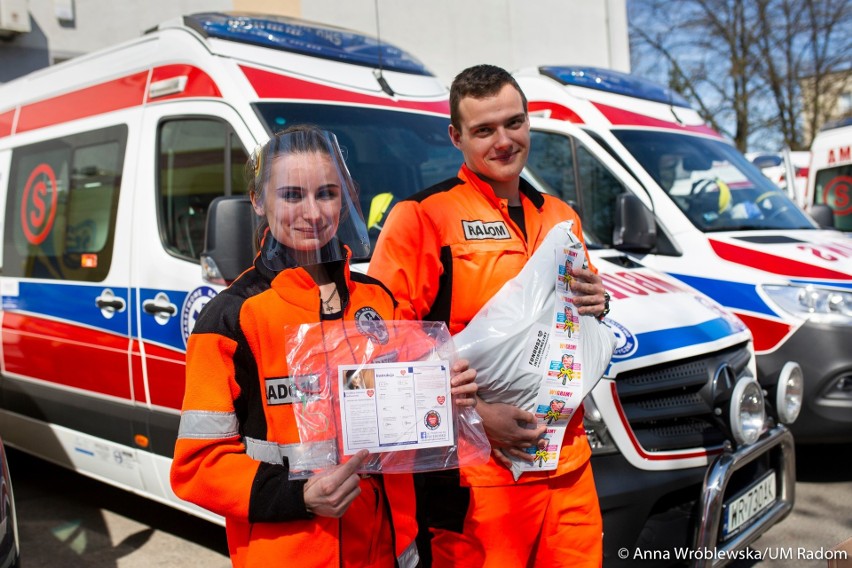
(199,159)
(63,200)
(552,158)
(579,178)
(598,189)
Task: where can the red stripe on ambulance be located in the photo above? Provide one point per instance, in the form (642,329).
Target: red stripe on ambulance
(118,94)
(6,121)
(166,375)
(554,111)
(619,116)
(24,340)
(198,83)
(772,263)
(110,96)
(24,337)
(269,85)
(767,333)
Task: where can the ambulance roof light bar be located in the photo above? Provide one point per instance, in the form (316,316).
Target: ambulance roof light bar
(305,38)
(614,82)
(838,123)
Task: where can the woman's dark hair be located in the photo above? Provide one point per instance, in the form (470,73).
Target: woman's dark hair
(310,139)
(296,139)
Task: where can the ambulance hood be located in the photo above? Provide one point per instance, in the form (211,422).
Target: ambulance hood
(657,319)
(821,257)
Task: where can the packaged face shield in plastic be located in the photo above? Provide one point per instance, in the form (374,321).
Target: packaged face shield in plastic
(532,349)
(301,186)
(383,386)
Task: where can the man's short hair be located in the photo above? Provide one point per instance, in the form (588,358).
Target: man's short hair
(479,82)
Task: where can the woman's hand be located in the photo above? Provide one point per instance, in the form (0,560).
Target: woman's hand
(329,493)
(462,383)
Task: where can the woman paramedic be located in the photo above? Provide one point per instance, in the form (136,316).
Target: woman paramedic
(238,436)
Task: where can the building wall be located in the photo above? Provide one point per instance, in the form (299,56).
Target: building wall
(835,101)
(446,35)
(93,24)
(449,35)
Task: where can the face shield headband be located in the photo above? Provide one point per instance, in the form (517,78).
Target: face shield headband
(304,192)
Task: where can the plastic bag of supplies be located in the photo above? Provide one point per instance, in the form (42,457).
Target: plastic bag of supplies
(530,347)
(379,385)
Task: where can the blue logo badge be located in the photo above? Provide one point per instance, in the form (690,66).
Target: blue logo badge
(192,305)
(626,343)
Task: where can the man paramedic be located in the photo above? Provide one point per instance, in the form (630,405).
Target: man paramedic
(443,253)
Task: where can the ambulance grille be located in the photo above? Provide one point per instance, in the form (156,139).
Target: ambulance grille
(672,406)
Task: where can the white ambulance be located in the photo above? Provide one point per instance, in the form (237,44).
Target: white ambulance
(114,165)
(659,183)
(830,175)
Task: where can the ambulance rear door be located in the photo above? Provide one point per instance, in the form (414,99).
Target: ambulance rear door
(67,387)
(830,179)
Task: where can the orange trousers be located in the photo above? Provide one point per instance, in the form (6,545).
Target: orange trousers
(553,522)
(367,539)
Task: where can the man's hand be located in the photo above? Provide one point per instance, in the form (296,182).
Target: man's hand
(329,494)
(505,426)
(462,383)
(588,292)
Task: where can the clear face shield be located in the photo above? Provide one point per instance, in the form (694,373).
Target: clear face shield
(304,191)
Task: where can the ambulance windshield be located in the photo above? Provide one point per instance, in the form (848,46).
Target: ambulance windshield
(712,183)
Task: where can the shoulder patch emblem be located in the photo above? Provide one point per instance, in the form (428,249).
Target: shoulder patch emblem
(371,324)
(479,230)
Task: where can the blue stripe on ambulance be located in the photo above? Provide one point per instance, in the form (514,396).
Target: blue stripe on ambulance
(75,304)
(72,303)
(660,341)
(824,283)
(733,295)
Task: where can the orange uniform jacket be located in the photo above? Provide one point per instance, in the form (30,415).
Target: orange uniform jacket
(238,427)
(446,250)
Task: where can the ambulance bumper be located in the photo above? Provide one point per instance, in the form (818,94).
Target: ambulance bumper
(655,516)
(823,353)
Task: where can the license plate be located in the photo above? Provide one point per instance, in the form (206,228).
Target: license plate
(739,511)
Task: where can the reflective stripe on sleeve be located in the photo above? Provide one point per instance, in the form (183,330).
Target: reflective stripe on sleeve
(205,425)
(409,557)
(299,456)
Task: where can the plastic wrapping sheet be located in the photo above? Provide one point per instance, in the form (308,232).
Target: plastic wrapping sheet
(509,340)
(380,385)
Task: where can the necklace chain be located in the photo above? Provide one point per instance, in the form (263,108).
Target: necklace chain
(326,304)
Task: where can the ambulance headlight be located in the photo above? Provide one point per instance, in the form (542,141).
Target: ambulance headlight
(820,305)
(748,412)
(788,394)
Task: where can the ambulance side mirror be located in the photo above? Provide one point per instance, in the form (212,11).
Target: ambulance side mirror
(230,239)
(635,228)
(823,215)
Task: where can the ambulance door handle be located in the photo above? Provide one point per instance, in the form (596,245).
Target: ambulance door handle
(116,304)
(160,307)
(109,303)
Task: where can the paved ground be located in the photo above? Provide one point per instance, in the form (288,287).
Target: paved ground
(821,517)
(71,521)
